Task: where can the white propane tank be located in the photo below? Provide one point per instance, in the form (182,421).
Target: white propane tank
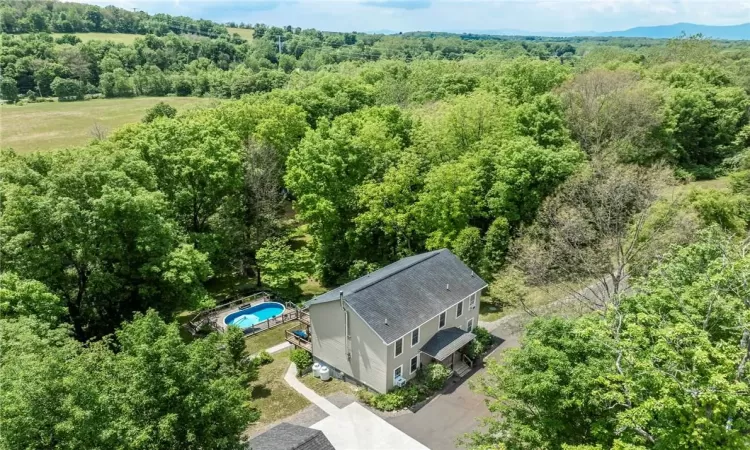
(316,370)
(325,374)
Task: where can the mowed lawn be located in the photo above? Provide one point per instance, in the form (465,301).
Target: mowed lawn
(56,125)
(272,395)
(269,338)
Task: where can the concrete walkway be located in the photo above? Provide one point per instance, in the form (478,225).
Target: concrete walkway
(353,427)
(291,378)
(279,347)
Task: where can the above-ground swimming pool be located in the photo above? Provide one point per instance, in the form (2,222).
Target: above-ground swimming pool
(246,318)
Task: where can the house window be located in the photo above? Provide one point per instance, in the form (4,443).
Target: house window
(415,337)
(414,364)
(470,324)
(473,301)
(399,347)
(441,324)
(397,372)
(460,309)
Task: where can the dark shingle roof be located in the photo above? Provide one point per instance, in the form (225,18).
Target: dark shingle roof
(446,342)
(286,436)
(408,292)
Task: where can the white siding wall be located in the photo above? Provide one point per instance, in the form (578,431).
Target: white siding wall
(367,362)
(426,331)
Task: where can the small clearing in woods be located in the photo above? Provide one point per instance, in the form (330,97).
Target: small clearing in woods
(120,38)
(245,33)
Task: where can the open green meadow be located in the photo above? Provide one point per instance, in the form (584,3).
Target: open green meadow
(245,33)
(122,38)
(55,125)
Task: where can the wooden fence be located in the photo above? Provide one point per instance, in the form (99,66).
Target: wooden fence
(206,318)
(291,313)
(210,318)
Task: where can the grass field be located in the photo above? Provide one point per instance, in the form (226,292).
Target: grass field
(267,339)
(326,388)
(245,33)
(120,38)
(272,395)
(55,125)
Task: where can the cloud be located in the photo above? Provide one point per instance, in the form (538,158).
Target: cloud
(399,4)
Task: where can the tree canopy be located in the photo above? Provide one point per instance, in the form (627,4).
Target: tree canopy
(665,369)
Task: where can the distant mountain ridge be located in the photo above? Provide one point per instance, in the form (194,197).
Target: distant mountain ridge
(729,32)
(732,32)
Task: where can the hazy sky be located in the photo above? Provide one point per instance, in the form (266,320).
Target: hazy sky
(454,15)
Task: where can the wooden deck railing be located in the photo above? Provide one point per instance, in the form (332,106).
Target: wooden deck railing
(271,323)
(204,317)
(304,317)
(298,341)
(212,316)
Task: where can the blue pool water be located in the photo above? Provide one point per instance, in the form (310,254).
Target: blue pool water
(246,318)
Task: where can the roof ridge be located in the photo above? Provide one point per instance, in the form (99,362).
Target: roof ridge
(427,256)
(309,438)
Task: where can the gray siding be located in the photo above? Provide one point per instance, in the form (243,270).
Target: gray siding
(367,363)
(426,331)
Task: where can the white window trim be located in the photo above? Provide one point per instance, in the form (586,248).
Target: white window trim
(394,372)
(418,361)
(411,336)
(396,355)
(462,309)
(473,300)
(470,321)
(445,322)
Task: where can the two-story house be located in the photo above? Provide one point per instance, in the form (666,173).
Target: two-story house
(386,325)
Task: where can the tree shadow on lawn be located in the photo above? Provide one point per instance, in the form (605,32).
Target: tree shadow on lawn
(260,391)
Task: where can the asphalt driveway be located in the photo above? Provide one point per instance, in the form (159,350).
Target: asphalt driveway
(453,413)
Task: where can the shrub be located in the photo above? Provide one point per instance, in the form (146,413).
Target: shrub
(483,336)
(435,375)
(398,398)
(701,172)
(683,175)
(264,358)
(474,349)
(365,396)
(301,358)
(8,90)
(160,109)
(67,89)
(235,341)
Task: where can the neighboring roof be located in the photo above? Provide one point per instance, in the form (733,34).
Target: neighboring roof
(407,293)
(286,436)
(446,342)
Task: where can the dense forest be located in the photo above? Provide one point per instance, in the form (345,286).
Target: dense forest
(536,161)
(35,16)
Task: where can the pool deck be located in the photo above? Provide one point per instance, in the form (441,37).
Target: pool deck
(214,318)
(288,315)
(218,318)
